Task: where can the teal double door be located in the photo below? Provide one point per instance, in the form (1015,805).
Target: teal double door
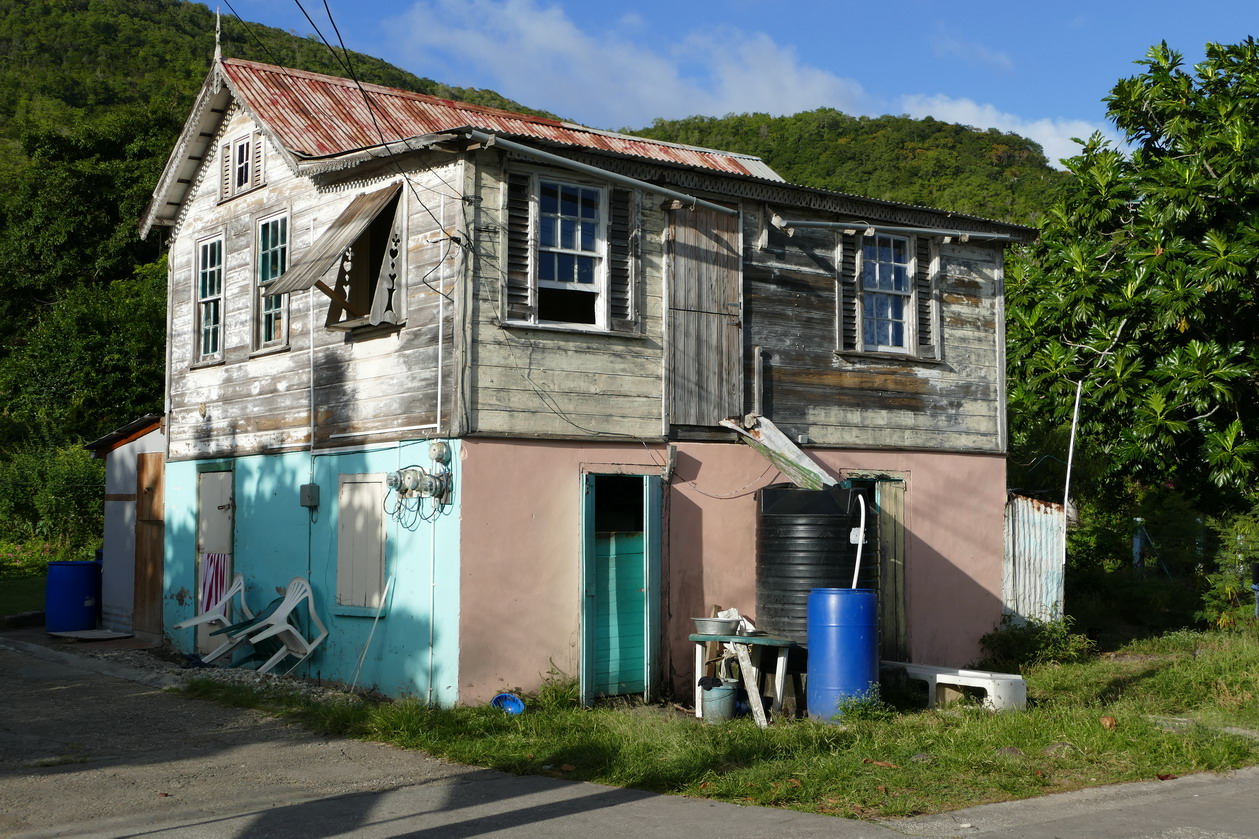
(620,573)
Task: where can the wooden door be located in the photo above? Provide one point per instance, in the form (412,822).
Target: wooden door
(893,624)
(705,359)
(146,610)
(215,521)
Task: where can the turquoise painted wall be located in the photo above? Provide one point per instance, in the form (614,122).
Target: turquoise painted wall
(277,539)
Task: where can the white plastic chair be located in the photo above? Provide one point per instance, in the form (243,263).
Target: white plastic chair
(222,613)
(282,625)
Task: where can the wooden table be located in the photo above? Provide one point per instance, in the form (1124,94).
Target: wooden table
(742,645)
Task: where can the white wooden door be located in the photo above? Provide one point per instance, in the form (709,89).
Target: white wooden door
(215,520)
(360,540)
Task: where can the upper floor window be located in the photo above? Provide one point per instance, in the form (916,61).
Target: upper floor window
(887,298)
(272,249)
(241,163)
(367,291)
(209,312)
(571,253)
(887,293)
(357,262)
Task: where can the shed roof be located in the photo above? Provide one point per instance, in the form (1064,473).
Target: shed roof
(133,430)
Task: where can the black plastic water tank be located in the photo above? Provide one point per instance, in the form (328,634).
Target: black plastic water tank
(804,542)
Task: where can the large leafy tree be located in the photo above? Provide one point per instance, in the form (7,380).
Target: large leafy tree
(1143,284)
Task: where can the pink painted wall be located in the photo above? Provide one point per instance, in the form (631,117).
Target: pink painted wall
(520,564)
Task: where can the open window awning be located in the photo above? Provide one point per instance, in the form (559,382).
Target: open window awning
(322,258)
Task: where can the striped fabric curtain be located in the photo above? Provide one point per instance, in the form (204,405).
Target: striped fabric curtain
(213,579)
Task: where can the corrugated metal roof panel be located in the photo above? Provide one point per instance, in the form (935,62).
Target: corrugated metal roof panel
(1032,576)
(314,115)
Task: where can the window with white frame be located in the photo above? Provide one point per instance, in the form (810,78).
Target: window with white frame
(272,248)
(569,261)
(887,293)
(241,162)
(571,253)
(241,155)
(209,299)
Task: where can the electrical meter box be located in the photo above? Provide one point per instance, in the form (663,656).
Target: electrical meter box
(309,495)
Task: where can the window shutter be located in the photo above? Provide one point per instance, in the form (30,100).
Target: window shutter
(924,286)
(225,176)
(623,246)
(385,304)
(518,305)
(255,164)
(849,288)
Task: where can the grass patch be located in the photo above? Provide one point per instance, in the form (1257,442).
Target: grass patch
(24,572)
(1155,708)
(22,594)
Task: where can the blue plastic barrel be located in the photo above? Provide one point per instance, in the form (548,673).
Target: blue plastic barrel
(72,596)
(843,648)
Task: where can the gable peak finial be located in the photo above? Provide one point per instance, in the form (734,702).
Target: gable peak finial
(218,32)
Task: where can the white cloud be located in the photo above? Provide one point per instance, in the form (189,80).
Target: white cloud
(947,44)
(531,51)
(1054,135)
(535,54)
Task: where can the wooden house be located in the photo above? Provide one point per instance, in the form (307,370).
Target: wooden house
(467,370)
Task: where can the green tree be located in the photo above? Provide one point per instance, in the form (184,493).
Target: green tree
(1143,284)
(93,361)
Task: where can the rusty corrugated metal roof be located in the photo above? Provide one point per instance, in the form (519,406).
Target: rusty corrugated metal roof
(314,115)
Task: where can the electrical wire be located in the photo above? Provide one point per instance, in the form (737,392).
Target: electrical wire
(348,66)
(296,95)
(544,397)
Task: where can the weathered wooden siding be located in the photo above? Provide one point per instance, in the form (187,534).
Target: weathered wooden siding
(791,285)
(704,375)
(540,382)
(365,388)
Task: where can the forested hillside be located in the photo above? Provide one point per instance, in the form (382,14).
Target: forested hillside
(915,161)
(92,96)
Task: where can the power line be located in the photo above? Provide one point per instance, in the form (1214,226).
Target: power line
(367,101)
(296,96)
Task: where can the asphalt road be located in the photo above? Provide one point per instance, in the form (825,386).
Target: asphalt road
(86,754)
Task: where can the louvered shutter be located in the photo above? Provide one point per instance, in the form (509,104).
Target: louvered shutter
(255,163)
(225,168)
(849,289)
(623,247)
(518,305)
(924,287)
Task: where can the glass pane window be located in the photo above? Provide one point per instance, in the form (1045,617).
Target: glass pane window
(272,262)
(209,297)
(886,278)
(240,165)
(885,263)
(569,253)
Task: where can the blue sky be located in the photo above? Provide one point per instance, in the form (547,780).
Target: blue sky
(1037,69)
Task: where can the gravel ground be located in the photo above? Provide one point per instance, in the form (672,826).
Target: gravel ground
(172,666)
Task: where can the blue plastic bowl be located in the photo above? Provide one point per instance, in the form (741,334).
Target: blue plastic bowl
(508,703)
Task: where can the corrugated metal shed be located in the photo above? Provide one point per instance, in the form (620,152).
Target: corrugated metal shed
(314,116)
(1031,578)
